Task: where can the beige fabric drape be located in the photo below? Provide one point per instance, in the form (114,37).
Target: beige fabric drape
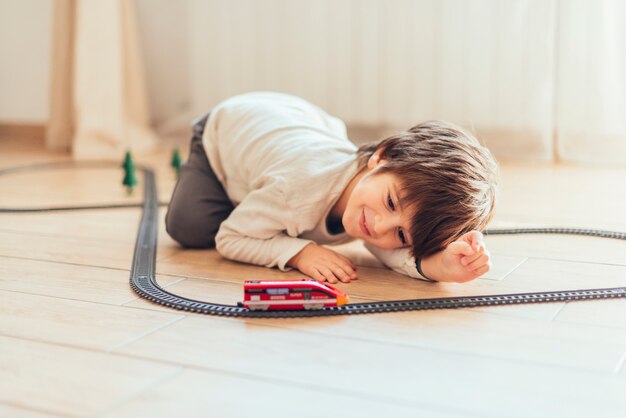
(99,103)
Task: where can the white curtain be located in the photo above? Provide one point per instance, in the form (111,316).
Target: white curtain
(99,105)
(591,90)
(535,79)
(487,65)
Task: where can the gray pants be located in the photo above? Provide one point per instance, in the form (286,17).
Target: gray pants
(199,203)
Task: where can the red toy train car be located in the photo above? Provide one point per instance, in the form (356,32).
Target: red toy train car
(291,294)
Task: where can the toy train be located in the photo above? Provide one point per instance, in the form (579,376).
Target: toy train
(290,294)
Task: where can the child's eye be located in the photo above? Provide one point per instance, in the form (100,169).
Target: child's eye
(390,202)
(402,237)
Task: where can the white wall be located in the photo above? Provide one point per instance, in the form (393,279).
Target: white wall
(25,46)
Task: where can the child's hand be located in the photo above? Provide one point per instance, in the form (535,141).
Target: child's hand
(323,264)
(466,258)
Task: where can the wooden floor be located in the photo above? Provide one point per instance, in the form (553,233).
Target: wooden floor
(76,341)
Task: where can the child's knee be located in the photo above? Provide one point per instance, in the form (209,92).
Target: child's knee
(187,231)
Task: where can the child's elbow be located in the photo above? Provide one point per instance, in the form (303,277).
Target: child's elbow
(221,244)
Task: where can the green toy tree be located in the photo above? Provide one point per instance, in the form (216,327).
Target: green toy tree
(130,177)
(176,161)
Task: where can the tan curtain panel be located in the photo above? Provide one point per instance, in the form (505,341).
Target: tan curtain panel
(99,104)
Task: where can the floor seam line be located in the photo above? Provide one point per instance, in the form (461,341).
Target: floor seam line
(146,333)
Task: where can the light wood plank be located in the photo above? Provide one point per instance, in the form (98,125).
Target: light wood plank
(491,336)
(399,372)
(118,225)
(560,247)
(69,381)
(603,313)
(542,274)
(234,396)
(76,323)
(15,412)
(68,185)
(562,195)
(475,334)
(95,284)
(88,252)
(111,225)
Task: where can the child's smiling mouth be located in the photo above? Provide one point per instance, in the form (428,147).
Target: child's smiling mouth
(363,224)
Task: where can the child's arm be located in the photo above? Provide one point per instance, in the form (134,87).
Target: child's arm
(445,266)
(261,230)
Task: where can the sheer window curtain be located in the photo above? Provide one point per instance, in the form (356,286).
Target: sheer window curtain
(535,79)
(486,65)
(591,91)
(99,104)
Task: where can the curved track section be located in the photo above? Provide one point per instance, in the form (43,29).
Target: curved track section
(143,281)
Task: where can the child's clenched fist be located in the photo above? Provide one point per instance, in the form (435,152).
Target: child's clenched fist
(463,260)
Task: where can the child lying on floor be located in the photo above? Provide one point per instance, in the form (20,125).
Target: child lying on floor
(271,178)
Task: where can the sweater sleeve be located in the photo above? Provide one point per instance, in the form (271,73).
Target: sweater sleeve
(399,260)
(256,230)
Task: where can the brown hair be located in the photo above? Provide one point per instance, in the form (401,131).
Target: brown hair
(446,174)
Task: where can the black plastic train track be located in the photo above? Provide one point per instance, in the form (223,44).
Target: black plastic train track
(143,280)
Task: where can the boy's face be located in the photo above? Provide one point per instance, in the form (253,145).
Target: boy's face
(373,212)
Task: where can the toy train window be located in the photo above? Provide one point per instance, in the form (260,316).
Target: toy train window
(278,291)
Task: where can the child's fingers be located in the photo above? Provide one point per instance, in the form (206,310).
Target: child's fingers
(484,269)
(477,244)
(317,275)
(340,273)
(473,237)
(330,276)
(480,261)
(473,257)
(324,275)
(346,267)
